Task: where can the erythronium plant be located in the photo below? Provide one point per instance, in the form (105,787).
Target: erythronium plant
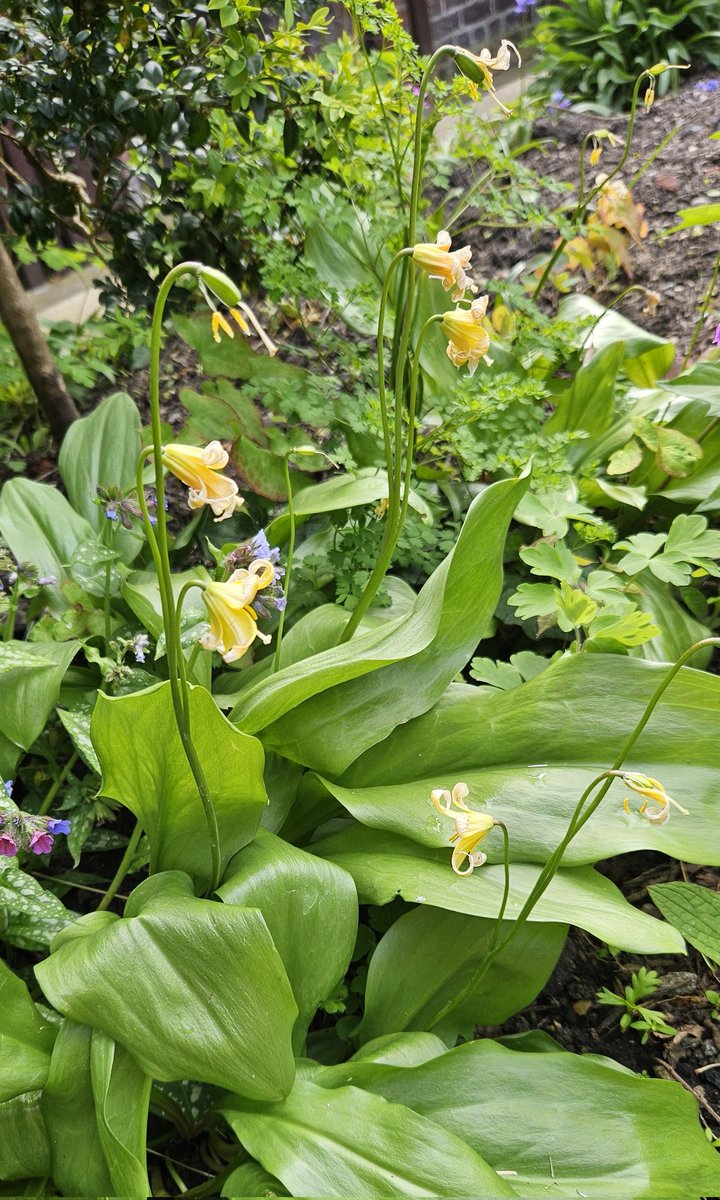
(334,782)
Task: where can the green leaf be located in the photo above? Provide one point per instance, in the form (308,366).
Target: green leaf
(625,460)
(700,383)
(347,1142)
(121,1093)
(310,908)
(30,677)
(24,1148)
(221,411)
(420,654)
(550,739)
(697,214)
(77,724)
(184,984)
(555,561)
(145,768)
(694,911)
(251,1180)
(589,402)
(631,628)
(579,1124)
(235,359)
(646,357)
(534,600)
(552,509)
(574,607)
(428,956)
(384,866)
(141,592)
(41,527)
(30,916)
(26,1040)
(675,452)
(102,449)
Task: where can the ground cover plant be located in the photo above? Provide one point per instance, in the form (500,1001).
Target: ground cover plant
(351,810)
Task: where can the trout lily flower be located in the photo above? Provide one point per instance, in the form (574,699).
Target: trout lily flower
(468,340)
(448,266)
(651,789)
(200,470)
(470,826)
(479,68)
(233,620)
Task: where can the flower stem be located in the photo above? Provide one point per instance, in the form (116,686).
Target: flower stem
(125,863)
(288,568)
(9,626)
(57,784)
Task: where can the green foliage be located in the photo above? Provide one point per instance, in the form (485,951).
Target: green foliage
(693,911)
(595,49)
(643,983)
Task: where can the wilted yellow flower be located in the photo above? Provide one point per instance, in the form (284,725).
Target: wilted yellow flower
(468,340)
(479,68)
(444,264)
(233,620)
(218,322)
(470,826)
(652,789)
(199,470)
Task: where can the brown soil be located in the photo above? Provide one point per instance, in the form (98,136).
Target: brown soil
(685,172)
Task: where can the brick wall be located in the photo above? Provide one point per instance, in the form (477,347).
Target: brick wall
(473,23)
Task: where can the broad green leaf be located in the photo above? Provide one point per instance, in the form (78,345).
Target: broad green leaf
(697,214)
(144,767)
(678,629)
(700,383)
(384,866)
(192,988)
(78,1164)
(349,491)
(534,600)
(647,358)
(420,654)
(220,411)
(349,1143)
(675,453)
(251,1180)
(589,402)
(26,1040)
(400,1049)
(41,527)
(30,916)
(347,260)
(568,1124)
(24,1147)
(121,1093)
(694,911)
(428,956)
(142,593)
(626,459)
(30,677)
(550,739)
(77,724)
(310,908)
(102,450)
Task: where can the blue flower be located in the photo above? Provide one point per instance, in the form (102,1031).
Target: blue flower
(559,100)
(56,825)
(707,85)
(111,512)
(9,787)
(140,644)
(521,6)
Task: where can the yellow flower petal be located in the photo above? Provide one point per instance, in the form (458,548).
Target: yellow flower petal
(468,340)
(233,625)
(448,266)
(218,322)
(199,470)
(470,826)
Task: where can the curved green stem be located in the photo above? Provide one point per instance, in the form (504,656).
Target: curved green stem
(288,568)
(123,869)
(506,888)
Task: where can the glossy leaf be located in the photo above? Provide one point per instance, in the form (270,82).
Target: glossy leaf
(41,527)
(385,866)
(310,908)
(121,1092)
(347,1142)
(646,357)
(26,1040)
(145,768)
(193,989)
(427,957)
(550,739)
(102,450)
(24,1147)
(343,714)
(589,402)
(30,677)
(568,1124)
(694,911)
(250,1180)
(78,1165)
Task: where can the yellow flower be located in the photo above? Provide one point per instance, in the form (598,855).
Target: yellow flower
(218,322)
(446,265)
(233,621)
(199,470)
(479,68)
(652,789)
(468,341)
(470,826)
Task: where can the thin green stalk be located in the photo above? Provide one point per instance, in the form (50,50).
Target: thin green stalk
(580,817)
(123,869)
(702,316)
(584,201)
(382,393)
(506,888)
(57,784)
(412,410)
(9,625)
(106,602)
(288,568)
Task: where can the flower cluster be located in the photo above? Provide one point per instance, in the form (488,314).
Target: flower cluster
(468,339)
(25,831)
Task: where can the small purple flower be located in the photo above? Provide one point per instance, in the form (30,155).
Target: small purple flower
(9,787)
(8,845)
(140,644)
(47,580)
(522,6)
(707,85)
(40,842)
(559,100)
(58,825)
(111,512)
(715,341)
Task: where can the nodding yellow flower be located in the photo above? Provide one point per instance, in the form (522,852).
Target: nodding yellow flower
(233,620)
(468,340)
(446,265)
(652,789)
(470,826)
(479,68)
(218,322)
(199,470)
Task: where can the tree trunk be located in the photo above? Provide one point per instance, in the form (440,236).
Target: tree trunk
(18,317)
